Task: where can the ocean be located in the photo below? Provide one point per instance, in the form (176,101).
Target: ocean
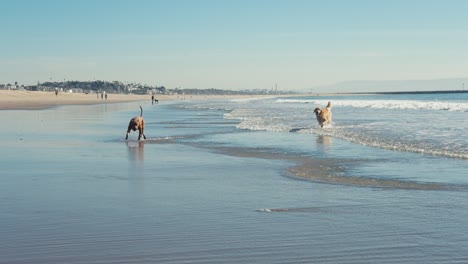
(252,180)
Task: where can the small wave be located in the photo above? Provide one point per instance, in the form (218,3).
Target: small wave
(243,100)
(415,136)
(387,104)
(166,139)
(148,140)
(295,101)
(391,145)
(291,210)
(352,133)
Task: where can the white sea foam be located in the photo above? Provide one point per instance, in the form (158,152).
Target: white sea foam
(429,126)
(445,149)
(386,104)
(439,133)
(243,100)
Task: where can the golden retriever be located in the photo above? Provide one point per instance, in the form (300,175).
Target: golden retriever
(137,122)
(324,116)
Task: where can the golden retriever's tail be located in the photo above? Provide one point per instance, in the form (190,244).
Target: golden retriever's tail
(329,105)
(141,111)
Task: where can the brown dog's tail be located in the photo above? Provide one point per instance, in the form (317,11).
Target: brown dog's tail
(141,112)
(329,105)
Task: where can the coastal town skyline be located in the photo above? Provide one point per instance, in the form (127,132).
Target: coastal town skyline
(297,45)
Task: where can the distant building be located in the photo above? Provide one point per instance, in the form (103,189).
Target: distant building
(11,87)
(131,88)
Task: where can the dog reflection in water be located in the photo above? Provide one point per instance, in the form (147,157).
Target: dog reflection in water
(136,150)
(325,140)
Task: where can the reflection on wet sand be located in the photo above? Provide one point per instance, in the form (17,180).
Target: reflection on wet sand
(136,151)
(329,171)
(324,140)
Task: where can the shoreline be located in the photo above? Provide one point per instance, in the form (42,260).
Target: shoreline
(405,92)
(37,100)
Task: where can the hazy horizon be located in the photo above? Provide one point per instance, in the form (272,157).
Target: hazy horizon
(298,45)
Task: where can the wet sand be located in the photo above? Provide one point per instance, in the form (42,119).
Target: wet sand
(199,190)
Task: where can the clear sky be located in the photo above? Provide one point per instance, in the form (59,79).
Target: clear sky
(241,44)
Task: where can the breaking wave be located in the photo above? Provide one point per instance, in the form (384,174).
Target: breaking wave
(409,124)
(386,104)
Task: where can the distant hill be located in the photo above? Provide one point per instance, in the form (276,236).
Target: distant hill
(394,86)
(99,86)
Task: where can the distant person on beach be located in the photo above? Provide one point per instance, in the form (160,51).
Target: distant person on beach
(102,96)
(56,92)
(153,100)
(106,96)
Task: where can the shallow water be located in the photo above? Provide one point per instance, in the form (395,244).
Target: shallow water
(201,190)
(428,124)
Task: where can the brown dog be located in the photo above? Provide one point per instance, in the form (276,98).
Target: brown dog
(324,116)
(137,122)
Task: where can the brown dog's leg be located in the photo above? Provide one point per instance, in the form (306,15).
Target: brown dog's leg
(142,129)
(128,132)
(141,133)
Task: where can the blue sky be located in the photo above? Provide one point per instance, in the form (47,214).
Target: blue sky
(232,44)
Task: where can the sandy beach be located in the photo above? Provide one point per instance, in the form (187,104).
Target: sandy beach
(28,100)
(34,100)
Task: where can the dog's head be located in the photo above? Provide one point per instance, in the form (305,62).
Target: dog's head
(132,125)
(317,111)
